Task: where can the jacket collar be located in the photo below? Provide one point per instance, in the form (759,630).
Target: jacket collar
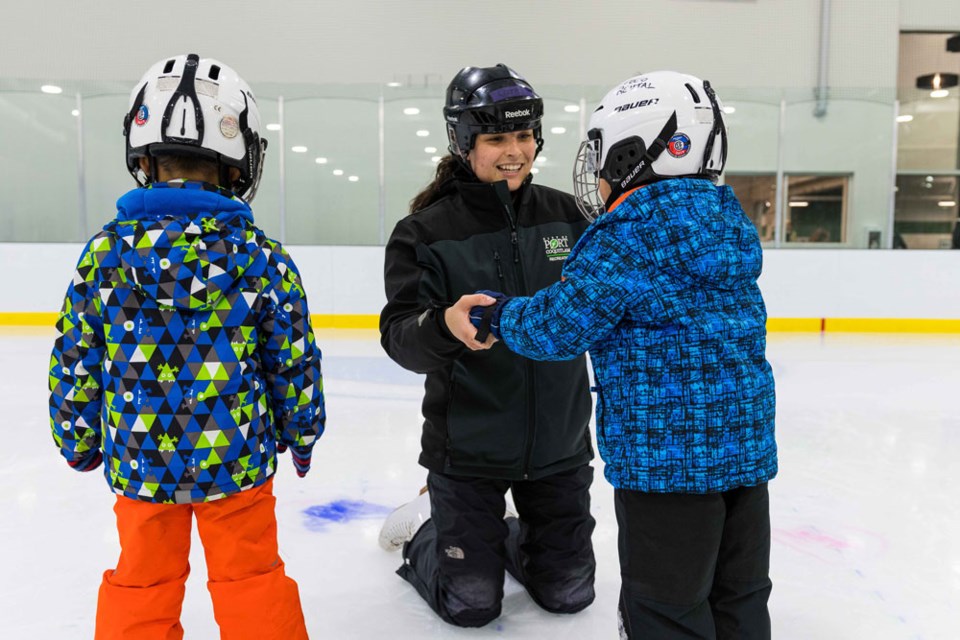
(179,198)
(489,198)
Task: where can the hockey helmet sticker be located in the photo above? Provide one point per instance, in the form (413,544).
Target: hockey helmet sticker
(679,145)
(229,127)
(143,114)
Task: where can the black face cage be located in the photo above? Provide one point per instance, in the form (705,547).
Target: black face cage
(586,177)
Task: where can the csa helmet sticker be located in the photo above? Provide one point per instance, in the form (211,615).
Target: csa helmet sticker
(229,127)
(143,114)
(679,145)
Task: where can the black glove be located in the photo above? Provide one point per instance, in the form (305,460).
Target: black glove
(487,319)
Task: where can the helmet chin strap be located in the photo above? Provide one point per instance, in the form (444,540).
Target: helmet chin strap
(719,129)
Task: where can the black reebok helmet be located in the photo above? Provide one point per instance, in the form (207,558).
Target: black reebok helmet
(489,100)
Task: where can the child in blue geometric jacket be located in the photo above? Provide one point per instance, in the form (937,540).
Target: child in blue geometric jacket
(186,360)
(662,291)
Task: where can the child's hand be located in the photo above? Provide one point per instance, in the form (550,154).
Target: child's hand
(486,317)
(301,457)
(89,462)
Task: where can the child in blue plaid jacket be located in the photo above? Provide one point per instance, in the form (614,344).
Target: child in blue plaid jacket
(662,291)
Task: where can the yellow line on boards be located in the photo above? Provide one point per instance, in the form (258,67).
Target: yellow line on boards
(774,325)
(320,320)
(28,319)
(890,325)
(794,325)
(345,321)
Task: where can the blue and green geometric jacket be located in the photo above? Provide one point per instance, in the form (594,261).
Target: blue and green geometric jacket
(185,350)
(662,291)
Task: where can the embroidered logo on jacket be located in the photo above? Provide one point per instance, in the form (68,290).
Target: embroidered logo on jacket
(556,247)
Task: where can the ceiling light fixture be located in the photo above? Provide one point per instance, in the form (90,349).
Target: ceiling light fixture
(937,81)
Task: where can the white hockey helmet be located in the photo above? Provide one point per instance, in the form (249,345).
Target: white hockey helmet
(653,126)
(191,106)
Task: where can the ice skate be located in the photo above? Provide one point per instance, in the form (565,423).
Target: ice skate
(510,510)
(401,525)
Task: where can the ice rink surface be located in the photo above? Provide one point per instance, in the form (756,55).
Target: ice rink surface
(865,511)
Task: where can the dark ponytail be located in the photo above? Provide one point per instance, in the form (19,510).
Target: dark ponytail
(446,169)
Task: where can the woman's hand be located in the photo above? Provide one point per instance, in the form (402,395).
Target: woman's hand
(458,322)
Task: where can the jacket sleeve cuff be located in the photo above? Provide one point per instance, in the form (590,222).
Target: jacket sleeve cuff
(440,319)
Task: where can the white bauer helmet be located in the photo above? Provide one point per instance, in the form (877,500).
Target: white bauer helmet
(653,126)
(191,106)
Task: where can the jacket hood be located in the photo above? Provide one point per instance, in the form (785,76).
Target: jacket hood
(693,229)
(184,244)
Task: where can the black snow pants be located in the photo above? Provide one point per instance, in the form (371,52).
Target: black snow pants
(457,559)
(694,566)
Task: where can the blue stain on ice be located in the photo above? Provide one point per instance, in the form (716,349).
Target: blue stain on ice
(342,512)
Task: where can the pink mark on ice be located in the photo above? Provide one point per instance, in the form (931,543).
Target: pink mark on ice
(809,537)
(811,542)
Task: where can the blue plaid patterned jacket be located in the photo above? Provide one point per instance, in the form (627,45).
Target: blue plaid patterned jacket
(185,350)
(662,291)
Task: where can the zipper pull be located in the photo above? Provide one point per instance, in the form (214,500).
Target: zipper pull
(516,246)
(496,257)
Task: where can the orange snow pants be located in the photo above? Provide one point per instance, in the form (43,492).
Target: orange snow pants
(252,596)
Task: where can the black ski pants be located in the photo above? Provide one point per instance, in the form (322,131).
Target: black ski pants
(694,566)
(457,559)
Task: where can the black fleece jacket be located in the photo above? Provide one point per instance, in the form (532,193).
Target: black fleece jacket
(490,413)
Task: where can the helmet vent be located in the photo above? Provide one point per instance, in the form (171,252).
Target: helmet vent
(167,68)
(214,72)
(693,92)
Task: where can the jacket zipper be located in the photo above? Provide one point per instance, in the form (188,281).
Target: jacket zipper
(528,365)
(496,258)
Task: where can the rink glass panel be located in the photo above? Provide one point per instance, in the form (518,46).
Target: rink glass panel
(363,131)
(39,155)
